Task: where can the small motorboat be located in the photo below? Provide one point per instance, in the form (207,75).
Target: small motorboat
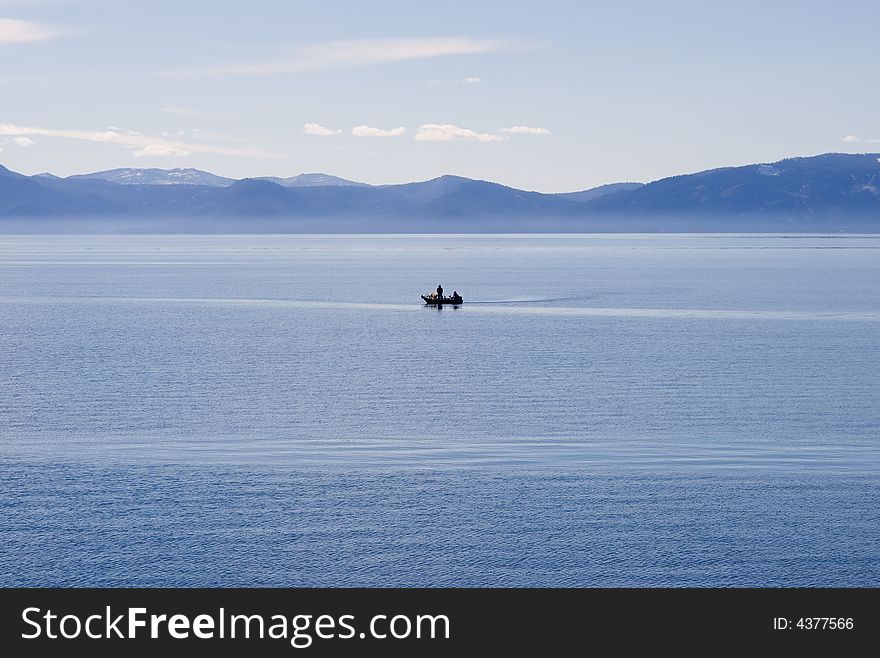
(434,299)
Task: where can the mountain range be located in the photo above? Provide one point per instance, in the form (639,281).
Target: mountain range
(831,192)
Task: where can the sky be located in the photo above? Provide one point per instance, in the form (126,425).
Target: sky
(550,96)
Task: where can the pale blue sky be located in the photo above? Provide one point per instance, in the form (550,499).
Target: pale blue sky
(595,92)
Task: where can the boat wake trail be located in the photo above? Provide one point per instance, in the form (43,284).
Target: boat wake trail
(519,307)
(529,300)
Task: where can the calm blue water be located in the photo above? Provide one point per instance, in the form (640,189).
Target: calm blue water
(283,410)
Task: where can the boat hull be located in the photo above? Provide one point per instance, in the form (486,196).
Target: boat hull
(440,301)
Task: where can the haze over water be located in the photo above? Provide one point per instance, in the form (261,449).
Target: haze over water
(604,410)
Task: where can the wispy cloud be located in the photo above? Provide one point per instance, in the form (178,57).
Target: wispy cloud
(318,130)
(447,132)
(161,151)
(16,31)
(359,53)
(202,135)
(525,130)
(369,131)
(464,81)
(23,141)
(145,144)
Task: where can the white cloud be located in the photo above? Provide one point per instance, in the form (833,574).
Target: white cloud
(15,31)
(23,141)
(319,130)
(362,52)
(446,132)
(466,81)
(369,131)
(525,130)
(138,141)
(161,151)
(852,139)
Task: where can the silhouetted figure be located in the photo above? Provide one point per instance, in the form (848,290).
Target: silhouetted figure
(455,295)
(440,291)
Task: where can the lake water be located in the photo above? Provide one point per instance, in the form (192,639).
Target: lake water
(603,410)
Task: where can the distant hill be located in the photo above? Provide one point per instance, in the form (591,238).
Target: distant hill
(602,190)
(24,197)
(156,177)
(313,180)
(832,192)
(831,184)
(457,196)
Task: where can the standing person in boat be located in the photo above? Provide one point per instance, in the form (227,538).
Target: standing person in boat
(440,291)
